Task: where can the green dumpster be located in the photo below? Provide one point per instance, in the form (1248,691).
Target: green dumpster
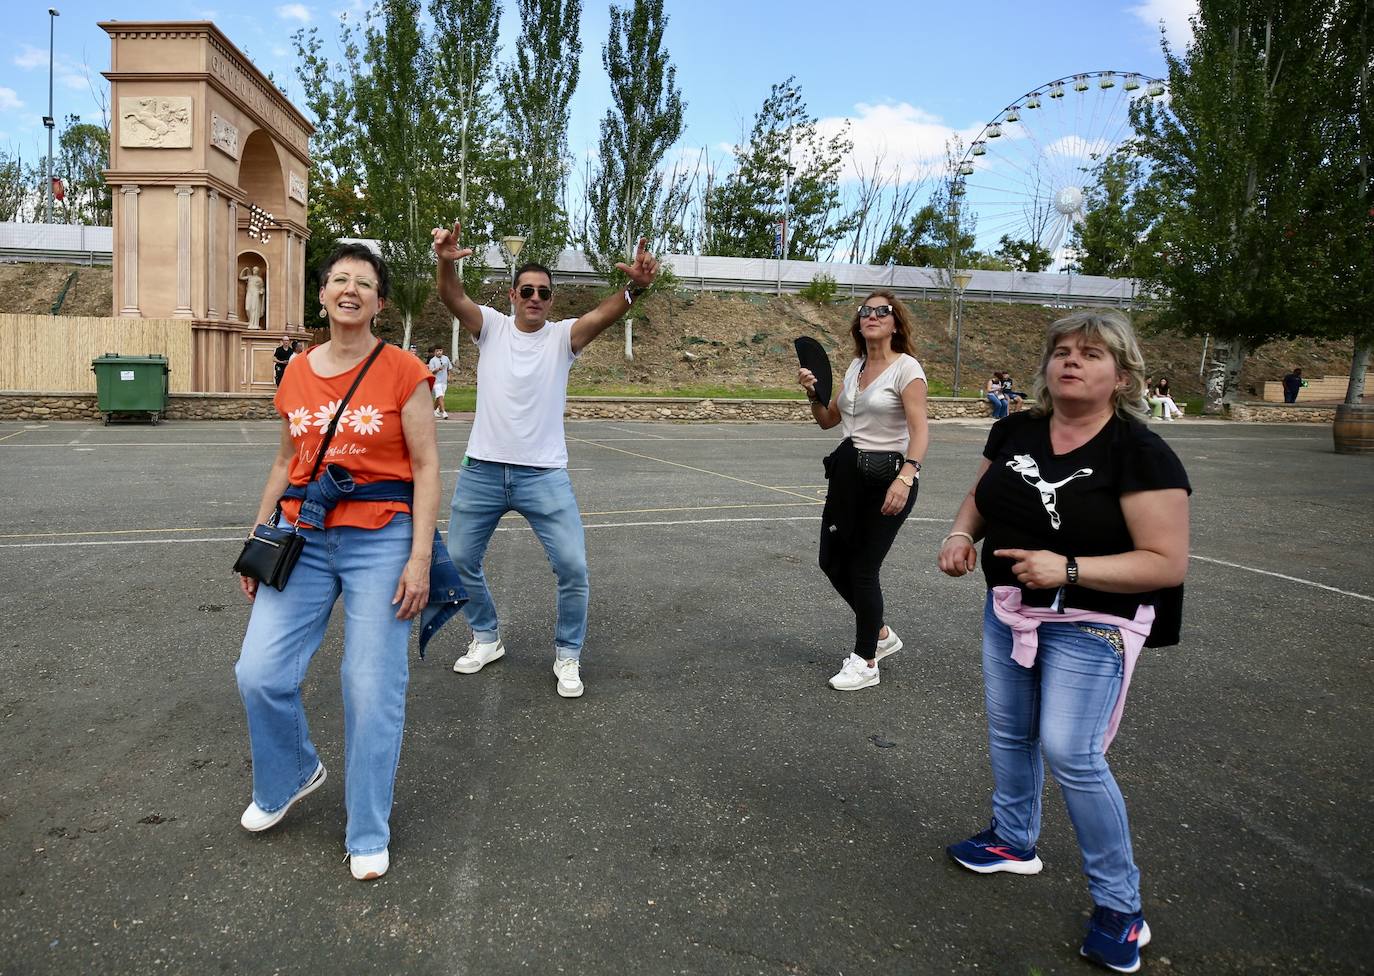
(130,384)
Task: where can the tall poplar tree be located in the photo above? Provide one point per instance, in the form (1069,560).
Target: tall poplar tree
(1232,153)
(630,196)
(535,89)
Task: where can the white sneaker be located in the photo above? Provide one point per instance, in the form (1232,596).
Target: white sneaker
(445,414)
(255,818)
(854,675)
(368,867)
(436,411)
(479,655)
(890,644)
(569,681)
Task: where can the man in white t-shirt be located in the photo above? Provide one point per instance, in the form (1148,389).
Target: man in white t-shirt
(517,456)
(439,365)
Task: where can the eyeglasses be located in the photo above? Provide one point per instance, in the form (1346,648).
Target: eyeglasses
(341,280)
(527,292)
(881,311)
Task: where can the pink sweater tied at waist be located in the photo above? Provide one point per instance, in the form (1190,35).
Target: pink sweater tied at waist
(1025,621)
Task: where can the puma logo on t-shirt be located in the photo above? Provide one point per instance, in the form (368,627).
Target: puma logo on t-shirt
(1025,466)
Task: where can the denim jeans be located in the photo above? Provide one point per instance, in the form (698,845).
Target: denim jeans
(1061,706)
(284,632)
(487,490)
(999,406)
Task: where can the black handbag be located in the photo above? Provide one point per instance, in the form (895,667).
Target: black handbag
(270,552)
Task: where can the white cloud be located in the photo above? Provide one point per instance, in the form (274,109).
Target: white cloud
(9,100)
(31,57)
(294,11)
(1173,13)
(900,138)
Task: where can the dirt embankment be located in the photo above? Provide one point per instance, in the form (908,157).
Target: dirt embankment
(743,339)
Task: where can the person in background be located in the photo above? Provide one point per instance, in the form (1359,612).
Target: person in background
(992,392)
(882,406)
(281,356)
(439,365)
(1084,515)
(1014,396)
(1168,408)
(1292,384)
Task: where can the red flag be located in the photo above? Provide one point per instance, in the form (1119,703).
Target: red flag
(58,193)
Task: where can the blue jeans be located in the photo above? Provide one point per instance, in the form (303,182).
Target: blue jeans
(284,632)
(1061,706)
(487,490)
(999,409)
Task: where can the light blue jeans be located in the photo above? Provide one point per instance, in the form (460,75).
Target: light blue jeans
(487,490)
(284,632)
(1061,706)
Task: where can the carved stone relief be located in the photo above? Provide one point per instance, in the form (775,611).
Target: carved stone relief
(297,187)
(155,122)
(224,136)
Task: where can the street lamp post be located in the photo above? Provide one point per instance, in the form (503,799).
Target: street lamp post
(961,280)
(48,120)
(512,245)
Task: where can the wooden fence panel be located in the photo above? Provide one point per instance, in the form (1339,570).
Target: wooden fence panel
(54,353)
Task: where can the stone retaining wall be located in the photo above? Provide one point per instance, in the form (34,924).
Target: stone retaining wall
(20,405)
(1282,413)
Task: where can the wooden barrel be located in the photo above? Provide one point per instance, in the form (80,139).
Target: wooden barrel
(1353,429)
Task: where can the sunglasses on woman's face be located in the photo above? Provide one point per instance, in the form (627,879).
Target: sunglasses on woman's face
(868,311)
(527,292)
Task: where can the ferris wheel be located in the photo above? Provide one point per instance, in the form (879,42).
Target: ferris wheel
(1027,174)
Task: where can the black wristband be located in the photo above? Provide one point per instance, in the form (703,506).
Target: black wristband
(914,463)
(1071,571)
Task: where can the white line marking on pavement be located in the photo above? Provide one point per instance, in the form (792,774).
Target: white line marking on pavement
(1282,576)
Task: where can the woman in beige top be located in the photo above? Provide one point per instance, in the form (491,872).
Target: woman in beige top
(874,473)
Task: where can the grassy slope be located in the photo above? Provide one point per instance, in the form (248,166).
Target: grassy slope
(736,344)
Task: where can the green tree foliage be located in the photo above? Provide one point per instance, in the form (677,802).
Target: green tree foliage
(393,82)
(926,239)
(465,33)
(17,181)
(535,90)
(1019,254)
(1232,154)
(1112,227)
(785,156)
(83,154)
(630,196)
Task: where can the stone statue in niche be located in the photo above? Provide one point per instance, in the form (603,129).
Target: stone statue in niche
(253,300)
(224,136)
(155,122)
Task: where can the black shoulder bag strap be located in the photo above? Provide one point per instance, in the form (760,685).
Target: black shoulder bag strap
(334,422)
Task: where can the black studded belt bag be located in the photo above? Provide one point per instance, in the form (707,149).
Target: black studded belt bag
(271,551)
(880,467)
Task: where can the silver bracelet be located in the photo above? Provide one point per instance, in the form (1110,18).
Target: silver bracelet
(971,540)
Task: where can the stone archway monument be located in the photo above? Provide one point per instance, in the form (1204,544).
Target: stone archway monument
(202,146)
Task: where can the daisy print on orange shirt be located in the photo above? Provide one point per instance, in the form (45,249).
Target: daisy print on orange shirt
(299,420)
(364,420)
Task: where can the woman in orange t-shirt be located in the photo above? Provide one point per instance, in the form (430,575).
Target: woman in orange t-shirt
(376,554)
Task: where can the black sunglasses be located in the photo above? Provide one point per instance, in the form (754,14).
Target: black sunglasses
(881,311)
(527,292)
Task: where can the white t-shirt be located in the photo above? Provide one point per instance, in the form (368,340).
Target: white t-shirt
(875,418)
(522,386)
(439,366)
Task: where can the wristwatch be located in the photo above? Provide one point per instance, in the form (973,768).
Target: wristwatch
(906,479)
(1071,571)
(631,293)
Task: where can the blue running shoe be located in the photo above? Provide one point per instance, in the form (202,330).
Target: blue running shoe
(987,854)
(1115,939)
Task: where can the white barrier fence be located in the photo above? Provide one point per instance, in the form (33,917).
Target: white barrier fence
(79,244)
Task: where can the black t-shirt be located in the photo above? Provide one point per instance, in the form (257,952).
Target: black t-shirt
(1031,498)
(282,354)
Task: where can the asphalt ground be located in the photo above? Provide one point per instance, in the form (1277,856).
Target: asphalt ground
(710,805)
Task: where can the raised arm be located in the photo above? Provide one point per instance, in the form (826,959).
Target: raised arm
(642,274)
(451,293)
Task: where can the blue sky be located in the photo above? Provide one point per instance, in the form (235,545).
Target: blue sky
(905,73)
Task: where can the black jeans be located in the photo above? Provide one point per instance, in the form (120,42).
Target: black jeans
(855,539)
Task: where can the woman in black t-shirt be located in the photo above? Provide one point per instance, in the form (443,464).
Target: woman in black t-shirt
(1085,515)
